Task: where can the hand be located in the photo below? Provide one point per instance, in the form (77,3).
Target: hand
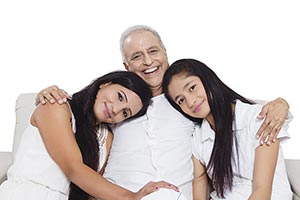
(52,94)
(152,187)
(275,113)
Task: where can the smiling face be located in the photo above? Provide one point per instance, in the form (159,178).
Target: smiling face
(115,103)
(147,58)
(188,92)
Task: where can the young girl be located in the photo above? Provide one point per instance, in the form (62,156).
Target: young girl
(225,147)
(50,155)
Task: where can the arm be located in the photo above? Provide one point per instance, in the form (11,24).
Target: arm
(200,185)
(53,122)
(275,114)
(264,169)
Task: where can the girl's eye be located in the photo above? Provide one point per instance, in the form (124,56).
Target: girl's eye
(180,101)
(125,114)
(120,96)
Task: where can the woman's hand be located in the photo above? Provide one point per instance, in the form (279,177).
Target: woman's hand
(275,113)
(153,187)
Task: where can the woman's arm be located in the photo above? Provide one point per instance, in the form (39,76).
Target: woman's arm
(53,122)
(200,184)
(264,169)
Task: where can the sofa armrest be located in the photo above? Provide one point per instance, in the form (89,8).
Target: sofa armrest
(6,161)
(292,168)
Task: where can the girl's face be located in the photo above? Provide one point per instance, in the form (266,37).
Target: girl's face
(115,103)
(188,92)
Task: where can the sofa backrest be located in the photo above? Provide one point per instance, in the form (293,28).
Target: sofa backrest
(24,107)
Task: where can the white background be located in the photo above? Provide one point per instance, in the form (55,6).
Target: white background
(254,46)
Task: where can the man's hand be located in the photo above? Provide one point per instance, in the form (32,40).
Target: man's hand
(52,94)
(275,113)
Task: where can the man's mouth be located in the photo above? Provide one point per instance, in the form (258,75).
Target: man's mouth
(150,70)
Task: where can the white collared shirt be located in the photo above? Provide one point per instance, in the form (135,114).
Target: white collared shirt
(245,127)
(156,146)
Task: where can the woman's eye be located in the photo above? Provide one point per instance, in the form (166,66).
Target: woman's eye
(192,88)
(120,96)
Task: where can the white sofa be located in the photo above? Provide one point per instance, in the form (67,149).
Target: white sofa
(25,105)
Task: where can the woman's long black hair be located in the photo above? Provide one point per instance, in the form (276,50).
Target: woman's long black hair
(220,98)
(82,104)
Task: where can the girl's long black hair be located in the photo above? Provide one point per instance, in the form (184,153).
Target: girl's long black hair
(220,98)
(82,104)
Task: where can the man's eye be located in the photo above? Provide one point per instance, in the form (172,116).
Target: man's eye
(136,57)
(120,96)
(152,51)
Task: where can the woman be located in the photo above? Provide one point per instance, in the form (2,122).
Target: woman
(225,147)
(49,156)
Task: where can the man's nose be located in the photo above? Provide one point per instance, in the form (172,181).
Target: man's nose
(148,60)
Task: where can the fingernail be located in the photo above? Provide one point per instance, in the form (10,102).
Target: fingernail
(257,136)
(261,142)
(65,99)
(274,140)
(60,101)
(51,100)
(268,143)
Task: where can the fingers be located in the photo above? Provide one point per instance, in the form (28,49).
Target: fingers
(269,130)
(163,184)
(154,186)
(51,94)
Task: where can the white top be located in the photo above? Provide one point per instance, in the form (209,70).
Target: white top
(156,146)
(34,175)
(245,127)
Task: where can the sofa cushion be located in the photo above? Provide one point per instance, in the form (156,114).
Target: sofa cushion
(24,107)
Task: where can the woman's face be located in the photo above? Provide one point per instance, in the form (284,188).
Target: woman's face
(115,103)
(188,92)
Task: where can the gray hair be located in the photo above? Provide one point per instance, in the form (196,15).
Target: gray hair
(136,28)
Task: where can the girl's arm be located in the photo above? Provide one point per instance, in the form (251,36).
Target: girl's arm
(264,169)
(200,185)
(53,122)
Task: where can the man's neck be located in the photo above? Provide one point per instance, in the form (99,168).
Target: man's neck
(156,91)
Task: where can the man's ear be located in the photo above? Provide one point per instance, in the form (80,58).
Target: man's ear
(126,66)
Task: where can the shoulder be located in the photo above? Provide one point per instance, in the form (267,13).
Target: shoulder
(246,113)
(51,112)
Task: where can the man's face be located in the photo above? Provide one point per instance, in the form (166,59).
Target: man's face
(147,58)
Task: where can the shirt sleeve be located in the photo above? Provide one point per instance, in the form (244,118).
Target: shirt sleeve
(198,147)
